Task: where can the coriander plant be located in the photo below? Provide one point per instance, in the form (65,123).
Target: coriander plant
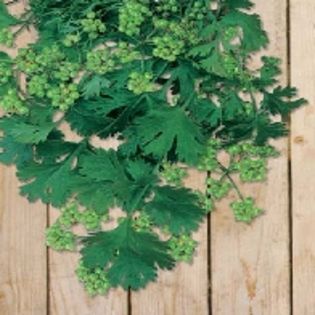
(171,79)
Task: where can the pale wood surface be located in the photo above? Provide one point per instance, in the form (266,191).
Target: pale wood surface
(303,156)
(250,263)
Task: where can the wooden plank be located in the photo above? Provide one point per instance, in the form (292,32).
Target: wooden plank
(250,263)
(303,156)
(67,295)
(23,280)
(183,291)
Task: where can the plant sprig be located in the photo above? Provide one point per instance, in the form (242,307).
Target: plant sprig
(171,80)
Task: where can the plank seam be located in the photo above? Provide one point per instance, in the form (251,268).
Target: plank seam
(47,265)
(129,302)
(290,188)
(209,264)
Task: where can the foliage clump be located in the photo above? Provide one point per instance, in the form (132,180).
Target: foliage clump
(171,80)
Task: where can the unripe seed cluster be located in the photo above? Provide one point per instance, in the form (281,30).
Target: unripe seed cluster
(95,281)
(141,82)
(173,174)
(6,37)
(92,25)
(182,247)
(245,210)
(131,15)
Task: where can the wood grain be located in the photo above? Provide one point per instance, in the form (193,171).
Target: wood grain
(250,263)
(23,285)
(303,156)
(183,291)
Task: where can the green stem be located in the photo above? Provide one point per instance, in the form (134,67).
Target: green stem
(227,174)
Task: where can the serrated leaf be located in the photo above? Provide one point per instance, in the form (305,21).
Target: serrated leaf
(279,101)
(239,4)
(266,129)
(160,130)
(131,258)
(24,132)
(49,181)
(14,152)
(128,182)
(254,37)
(176,209)
(6,19)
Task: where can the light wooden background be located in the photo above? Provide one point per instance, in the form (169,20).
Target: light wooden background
(267,268)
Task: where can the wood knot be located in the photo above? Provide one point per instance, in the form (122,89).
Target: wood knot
(299,140)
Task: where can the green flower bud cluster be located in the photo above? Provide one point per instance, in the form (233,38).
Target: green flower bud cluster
(173,174)
(6,37)
(167,7)
(182,247)
(168,47)
(30,62)
(71,39)
(26,61)
(66,71)
(230,65)
(218,189)
(197,12)
(252,170)
(64,95)
(183,31)
(59,238)
(131,15)
(12,103)
(50,57)
(245,210)
(70,215)
(208,161)
(6,72)
(142,222)
(38,85)
(92,25)
(141,82)
(91,220)
(95,281)
(125,52)
(205,201)
(250,149)
(100,61)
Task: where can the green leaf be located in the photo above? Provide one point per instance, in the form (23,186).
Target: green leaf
(14,152)
(268,72)
(278,101)
(102,116)
(232,105)
(48,180)
(129,182)
(254,37)
(268,130)
(206,112)
(176,209)
(6,19)
(131,258)
(92,87)
(160,130)
(239,4)
(184,75)
(24,132)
